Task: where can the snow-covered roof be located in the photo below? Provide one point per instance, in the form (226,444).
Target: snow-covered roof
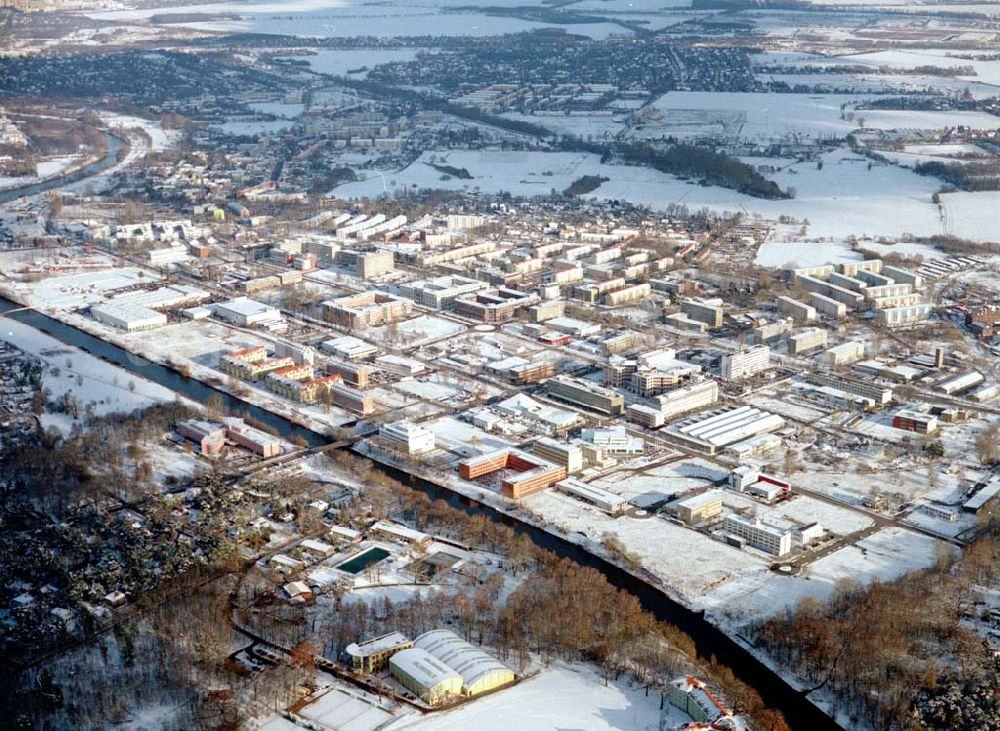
(423,667)
(471,662)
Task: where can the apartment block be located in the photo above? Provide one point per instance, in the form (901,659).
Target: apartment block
(746,363)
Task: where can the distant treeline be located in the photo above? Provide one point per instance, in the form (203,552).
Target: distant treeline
(972,176)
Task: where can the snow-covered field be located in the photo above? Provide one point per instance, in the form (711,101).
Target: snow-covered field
(883,556)
(850,195)
(560,697)
(340,62)
(321,18)
(107,388)
(804,253)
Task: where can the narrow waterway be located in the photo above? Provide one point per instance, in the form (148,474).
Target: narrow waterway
(97,167)
(709,641)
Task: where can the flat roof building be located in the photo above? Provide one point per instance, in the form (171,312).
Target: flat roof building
(698,508)
(606,500)
(519,474)
(758,534)
(373,655)
(586,393)
(406,437)
(127,316)
(746,363)
(366,309)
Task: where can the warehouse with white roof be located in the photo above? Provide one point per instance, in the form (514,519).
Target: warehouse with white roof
(425,675)
(480,671)
(713,430)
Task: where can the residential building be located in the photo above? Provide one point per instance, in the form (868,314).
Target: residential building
(496,305)
(799,311)
(806,340)
(440,292)
(746,363)
(844,354)
(904,316)
(706,311)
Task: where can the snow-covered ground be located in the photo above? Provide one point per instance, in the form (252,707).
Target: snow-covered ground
(849,195)
(561,697)
(160,138)
(106,387)
(777,254)
(322,18)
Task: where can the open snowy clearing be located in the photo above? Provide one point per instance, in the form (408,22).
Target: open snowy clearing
(560,697)
(108,388)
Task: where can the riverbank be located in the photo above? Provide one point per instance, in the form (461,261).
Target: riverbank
(710,640)
(118,149)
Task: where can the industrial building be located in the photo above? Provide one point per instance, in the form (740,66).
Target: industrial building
(754,482)
(349,348)
(713,430)
(758,534)
(606,500)
(960,383)
(586,393)
(211,438)
(614,441)
(693,698)
(519,474)
(406,437)
(746,363)
(875,394)
(128,317)
(258,442)
(245,312)
(915,421)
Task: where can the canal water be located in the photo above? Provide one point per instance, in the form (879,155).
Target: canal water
(709,640)
(94,168)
